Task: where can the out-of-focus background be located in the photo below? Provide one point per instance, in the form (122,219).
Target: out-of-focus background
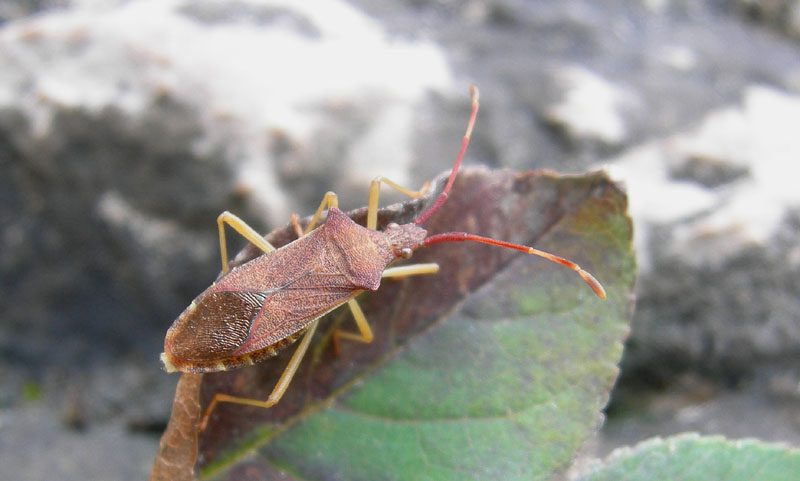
(127,126)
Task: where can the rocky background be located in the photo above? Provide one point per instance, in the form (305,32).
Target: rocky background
(127,126)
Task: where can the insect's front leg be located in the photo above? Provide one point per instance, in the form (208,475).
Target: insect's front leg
(375,191)
(328,200)
(411,270)
(242,228)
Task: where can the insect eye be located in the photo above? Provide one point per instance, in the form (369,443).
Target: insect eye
(406,252)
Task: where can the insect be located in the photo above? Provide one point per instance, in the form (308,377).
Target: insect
(256,309)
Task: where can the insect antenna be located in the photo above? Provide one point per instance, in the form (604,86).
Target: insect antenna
(473,91)
(589,279)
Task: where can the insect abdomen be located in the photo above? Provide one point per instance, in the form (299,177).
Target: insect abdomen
(211,329)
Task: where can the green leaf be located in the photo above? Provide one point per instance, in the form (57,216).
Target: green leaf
(497,367)
(690,457)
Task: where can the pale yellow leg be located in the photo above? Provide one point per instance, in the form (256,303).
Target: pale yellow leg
(242,228)
(411,270)
(375,191)
(280,386)
(291,368)
(328,201)
(364,333)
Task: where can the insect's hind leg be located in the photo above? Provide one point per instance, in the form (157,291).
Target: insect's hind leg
(375,191)
(277,391)
(244,230)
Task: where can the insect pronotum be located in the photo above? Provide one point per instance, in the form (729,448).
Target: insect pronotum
(256,309)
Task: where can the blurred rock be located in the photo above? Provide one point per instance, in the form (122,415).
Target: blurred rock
(126,129)
(780,15)
(718,237)
(35,445)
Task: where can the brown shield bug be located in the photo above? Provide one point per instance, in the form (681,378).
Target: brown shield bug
(255,309)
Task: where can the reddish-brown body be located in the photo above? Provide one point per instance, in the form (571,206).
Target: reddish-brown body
(261,306)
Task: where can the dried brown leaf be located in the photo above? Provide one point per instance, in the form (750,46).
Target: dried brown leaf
(177,452)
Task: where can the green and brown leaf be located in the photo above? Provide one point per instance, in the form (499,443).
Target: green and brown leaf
(497,367)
